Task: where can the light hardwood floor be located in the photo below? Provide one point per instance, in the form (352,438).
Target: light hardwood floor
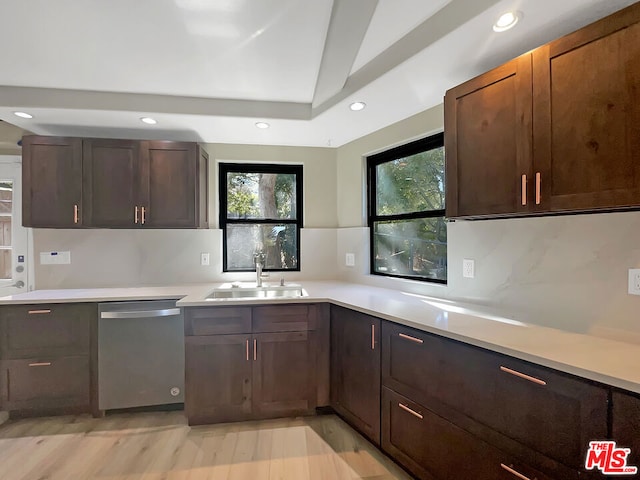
(155,446)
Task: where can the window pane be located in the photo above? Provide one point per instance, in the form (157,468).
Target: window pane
(279,243)
(411,248)
(6,208)
(411,184)
(261,195)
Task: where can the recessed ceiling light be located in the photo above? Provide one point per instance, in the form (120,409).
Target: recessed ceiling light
(23,114)
(148,120)
(506,21)
(357,106)
(262,125)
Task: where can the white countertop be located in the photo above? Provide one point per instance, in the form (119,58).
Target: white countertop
(606,361)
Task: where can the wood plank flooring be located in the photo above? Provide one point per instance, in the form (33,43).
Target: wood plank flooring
(161,446)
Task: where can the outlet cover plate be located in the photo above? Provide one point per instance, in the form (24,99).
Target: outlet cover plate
(468,268)
(634,281)
(350,259)
(204,259)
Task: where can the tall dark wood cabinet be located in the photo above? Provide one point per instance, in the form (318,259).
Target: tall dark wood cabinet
(355,369)
(488,142)
(52,182)
(112,180)
(555,130)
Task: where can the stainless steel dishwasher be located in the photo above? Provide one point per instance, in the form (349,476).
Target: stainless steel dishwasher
(140,354)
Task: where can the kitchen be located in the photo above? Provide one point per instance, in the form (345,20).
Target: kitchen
(564,272)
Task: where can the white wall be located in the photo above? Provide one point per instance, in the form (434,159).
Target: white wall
(569,272)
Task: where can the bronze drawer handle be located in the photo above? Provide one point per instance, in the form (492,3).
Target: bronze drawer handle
(36,312)
(523,190)
(373,337)
(135,217)
(255,349)
(538,183)
(247,349)
(75,214)
(412,412)
(513,472)
(40,364)
(410,338)
(522,375)
(143,213)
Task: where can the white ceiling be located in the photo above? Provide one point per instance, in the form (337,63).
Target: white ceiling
(207,70)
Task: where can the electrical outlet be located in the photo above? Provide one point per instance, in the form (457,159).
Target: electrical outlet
(468,268)
(204,259)
(634,281)
(350,260)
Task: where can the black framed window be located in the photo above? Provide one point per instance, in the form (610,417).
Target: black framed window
(260,213)
(406,211)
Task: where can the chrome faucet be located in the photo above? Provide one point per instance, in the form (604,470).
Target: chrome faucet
(259,259)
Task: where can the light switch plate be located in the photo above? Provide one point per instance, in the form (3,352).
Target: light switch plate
(468,268)
(634,281)
(204,259)
(350,260)
(55,258)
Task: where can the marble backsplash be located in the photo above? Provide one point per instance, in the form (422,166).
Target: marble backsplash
(123,258)
(568,272)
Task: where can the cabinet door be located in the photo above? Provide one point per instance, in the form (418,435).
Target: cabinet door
(111,183)
(488,142)
(51,182)
(217,378)
(587,116)
(169,184)
(626,425)
(355,369)
(435,449)
(45,383)
(284,374)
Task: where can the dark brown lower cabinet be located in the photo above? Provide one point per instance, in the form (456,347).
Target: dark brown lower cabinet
(217,378)
(432,448)
(355,370)
(284,374)
(626,426)
(46,383)
(236,372)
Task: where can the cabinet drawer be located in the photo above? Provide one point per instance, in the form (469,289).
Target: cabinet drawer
(46,330)
(552,413)
(45,383)
(284,318)
(217,320)
(435,449)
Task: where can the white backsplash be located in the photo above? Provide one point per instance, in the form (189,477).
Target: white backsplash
(111,258)
(567,272)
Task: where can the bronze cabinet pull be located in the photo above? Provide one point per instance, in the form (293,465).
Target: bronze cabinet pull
(522,375)
(410,338)
(40,364)
(513,472)
(373,337)
(411,411)
(247,349)
(136,215)
(538,194)
(255,349)
(75,214)
(523,190)
(39,312)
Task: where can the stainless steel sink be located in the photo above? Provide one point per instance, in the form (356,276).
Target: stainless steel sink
(264,292)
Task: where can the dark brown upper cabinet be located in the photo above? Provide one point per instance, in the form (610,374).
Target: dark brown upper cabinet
(52,182)
(488,142)
(553,131)
(111,171)
(109,183)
